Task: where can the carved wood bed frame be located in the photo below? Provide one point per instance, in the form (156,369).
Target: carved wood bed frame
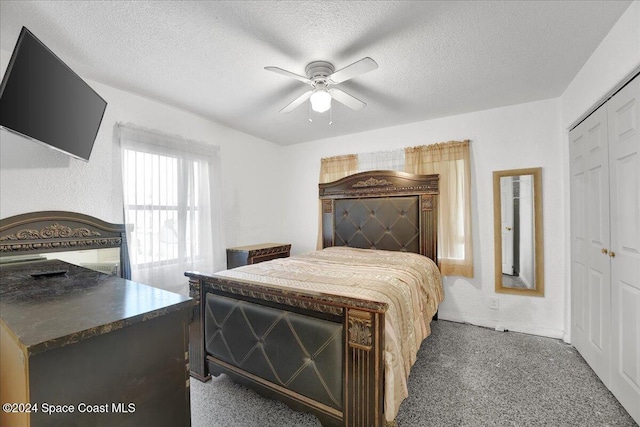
(60,231)
(379,209)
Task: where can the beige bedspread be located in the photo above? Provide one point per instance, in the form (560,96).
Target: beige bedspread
(409,283)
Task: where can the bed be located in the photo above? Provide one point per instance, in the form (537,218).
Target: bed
(331,332)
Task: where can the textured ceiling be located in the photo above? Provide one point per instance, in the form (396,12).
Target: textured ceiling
(435,59)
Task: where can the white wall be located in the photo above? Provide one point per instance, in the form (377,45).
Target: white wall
(616,57)
(35,178)
(519,136)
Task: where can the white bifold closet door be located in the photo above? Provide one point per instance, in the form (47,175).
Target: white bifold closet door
(624,161)
(590,265)
(605,243)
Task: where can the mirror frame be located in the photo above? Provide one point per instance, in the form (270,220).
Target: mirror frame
(538,290)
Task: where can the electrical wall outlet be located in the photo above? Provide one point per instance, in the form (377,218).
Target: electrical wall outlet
(494,303)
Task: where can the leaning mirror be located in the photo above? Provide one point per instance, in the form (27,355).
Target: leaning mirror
(517,213)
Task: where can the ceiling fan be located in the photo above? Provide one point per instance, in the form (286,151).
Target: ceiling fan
(321,76)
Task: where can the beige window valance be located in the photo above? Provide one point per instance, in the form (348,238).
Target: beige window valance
(451,160)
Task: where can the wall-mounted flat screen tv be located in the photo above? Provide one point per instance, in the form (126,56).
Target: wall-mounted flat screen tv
(42,99)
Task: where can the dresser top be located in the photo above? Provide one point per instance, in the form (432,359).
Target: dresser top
(49,312)
(259,246)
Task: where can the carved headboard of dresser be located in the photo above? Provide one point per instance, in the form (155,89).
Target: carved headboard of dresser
(59,231)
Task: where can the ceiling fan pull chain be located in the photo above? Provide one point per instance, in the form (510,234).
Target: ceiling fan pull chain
(330,116)
(310,112)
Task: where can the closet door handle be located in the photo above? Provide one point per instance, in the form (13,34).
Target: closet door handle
(604,251)
(612,254)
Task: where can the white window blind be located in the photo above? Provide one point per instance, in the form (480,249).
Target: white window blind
(381,160)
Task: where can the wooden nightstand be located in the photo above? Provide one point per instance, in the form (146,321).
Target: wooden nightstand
(253,254)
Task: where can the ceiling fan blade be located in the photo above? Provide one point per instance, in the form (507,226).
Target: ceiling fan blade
(350,71)
(346,99)
(296,102)
(288,74)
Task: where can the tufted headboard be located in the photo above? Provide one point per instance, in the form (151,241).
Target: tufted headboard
(381,210)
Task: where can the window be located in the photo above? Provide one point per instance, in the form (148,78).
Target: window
(170,194)
(153,205)
(452,161)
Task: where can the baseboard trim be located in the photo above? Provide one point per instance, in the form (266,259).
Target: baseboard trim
(509,326)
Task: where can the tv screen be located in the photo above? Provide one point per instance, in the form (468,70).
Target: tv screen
(42,99)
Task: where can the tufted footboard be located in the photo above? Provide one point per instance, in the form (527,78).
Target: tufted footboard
(317,353)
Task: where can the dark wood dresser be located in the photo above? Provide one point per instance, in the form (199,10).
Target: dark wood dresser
(253,254)
(85,348)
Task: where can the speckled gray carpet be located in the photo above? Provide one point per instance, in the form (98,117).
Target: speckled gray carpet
(465,376)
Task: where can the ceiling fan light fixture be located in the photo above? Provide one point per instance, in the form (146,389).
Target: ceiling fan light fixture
(321,75)
(320,100)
